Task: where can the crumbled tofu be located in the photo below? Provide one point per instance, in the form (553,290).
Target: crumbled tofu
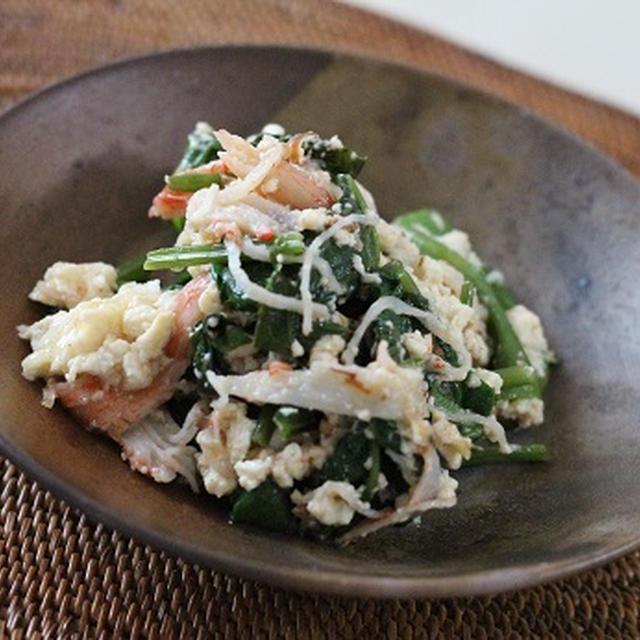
(441,284)
(449,443)
(345,238)
(396,244)
(65,284)
(297,350)
(383,483)
(120,339)
(448,486)
(493,379)
(529,330)
(273,129)
(214,464)
(314,219)
(290,464)
(460,243)
(528,412)
(252,473)
(333,503)
(224,443)
(209,300)
(294,462)
(418,344)
(327,349)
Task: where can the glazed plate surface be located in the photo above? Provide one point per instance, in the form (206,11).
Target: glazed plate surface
(79,164)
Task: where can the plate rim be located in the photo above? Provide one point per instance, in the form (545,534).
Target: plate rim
(474,583)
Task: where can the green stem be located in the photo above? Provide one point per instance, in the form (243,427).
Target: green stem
(131,271)
(509,351)
(523,391)
(517,376)
(192,181)
(433,221)
(182,257)
(524,453)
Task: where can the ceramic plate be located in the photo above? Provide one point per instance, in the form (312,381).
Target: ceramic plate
(79,164)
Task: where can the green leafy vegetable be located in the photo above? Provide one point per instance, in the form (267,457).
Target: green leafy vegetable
(340,260)
(391,327)
(335,160)
(351,200)
(479,399)
(516,376)
(445,395)
(230,292)
(396,281)
(202,147)
(471,431)
(131,271)
(321,328)
(370,247)
(293,420)
(445,351)
(523,391)
(205,355)
(503,295)
(267,507)
(230,337)
(386,434)
(265,426)
(371,484)
(277,329)
(456,397)
(347,461)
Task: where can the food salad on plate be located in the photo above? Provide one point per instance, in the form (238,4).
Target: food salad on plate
(318,369)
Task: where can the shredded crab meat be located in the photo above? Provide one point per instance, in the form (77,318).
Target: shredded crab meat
(158,447)
(381,389)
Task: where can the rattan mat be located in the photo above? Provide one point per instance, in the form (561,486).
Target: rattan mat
(63,577)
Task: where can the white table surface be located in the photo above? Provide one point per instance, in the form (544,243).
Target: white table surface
(588,46)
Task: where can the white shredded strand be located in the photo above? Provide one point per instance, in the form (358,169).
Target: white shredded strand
(254,251)
(428,319)
(367,277)
(264,296)
(310,257)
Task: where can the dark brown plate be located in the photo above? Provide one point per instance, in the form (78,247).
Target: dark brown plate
(78,165)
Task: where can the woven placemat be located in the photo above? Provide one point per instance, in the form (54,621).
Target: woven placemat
(63,577)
